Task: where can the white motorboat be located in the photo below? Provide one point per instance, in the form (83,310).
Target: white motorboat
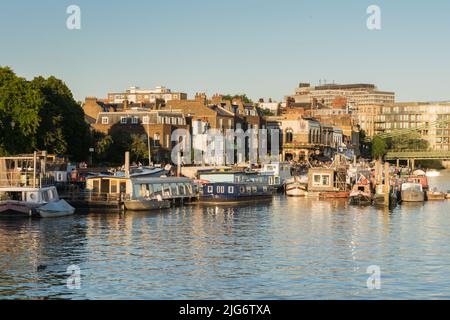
(297,187)
(28,201)
(56,209)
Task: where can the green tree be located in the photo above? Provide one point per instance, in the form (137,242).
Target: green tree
(19,113)
(409,141)
(265,112)
(63,129)
(242,96)
(139,147)
(102,145)
(379,147)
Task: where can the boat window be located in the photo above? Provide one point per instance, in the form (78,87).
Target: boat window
(174,189)
(210,189)
(32,197)
(96,186)
(265,189)
(316,180)
(156,188)
(143,190)
(189,188)
(249,189)
(114,187)
(326,180)
(230,189)
(255,189)
(181,189)
(45,196)
(221,189)
(277,180)
(242,189)
(166,190)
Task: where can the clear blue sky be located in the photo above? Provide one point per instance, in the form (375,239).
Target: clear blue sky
(263,48)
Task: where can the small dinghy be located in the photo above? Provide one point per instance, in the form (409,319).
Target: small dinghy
(56,209)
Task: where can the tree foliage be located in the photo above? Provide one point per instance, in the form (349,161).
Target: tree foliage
(379,147)
(139,147)
(410,141)
(19,113)
(40,115)
(242,96)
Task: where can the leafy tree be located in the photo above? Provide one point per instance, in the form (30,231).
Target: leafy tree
(63,129)
(102,144)
(19,113)
(379,147)
(139,147)
(242,96)
(365,145)
(265,112)
(410,141)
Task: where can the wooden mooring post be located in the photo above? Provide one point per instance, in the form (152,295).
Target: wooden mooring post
(387,184)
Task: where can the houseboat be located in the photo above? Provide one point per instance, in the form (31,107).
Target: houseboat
(117,193)
(327,183)
(412,192)
(235,187)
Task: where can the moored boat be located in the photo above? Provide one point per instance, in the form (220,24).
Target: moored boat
(412,192)
(334,195)
(297,187)
(361,194)
(56,209)
(28,201)
(436,196)
(234,187)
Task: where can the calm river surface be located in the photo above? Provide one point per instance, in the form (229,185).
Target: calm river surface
(287,249)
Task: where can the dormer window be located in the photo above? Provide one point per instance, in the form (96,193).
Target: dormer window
(105,120)
(123,120)
(135,120)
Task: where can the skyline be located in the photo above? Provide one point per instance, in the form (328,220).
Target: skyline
(260,48)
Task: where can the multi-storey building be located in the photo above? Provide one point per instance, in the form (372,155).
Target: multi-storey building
(354,95)
(366,116)
(418,115)
(137,95)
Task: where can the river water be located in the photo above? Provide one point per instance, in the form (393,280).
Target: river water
(287,249)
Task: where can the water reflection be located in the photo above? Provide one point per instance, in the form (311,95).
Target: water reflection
(289,248)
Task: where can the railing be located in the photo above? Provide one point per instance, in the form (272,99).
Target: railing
(24,180)
(422,155)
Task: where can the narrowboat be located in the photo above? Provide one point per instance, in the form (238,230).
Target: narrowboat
(412,192)
(235,187)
